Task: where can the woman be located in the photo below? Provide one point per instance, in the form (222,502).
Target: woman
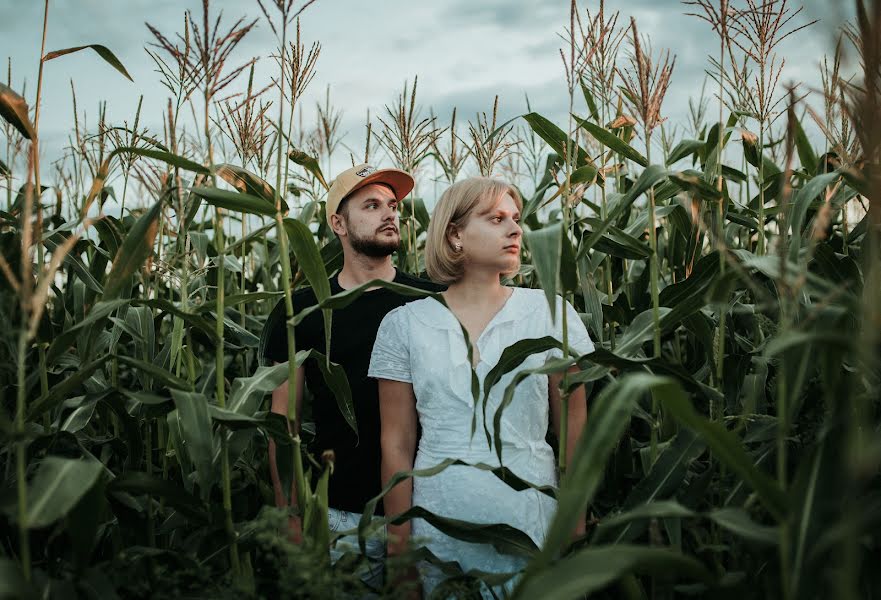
(420,359)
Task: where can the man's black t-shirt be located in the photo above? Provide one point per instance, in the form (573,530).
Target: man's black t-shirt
(356,477)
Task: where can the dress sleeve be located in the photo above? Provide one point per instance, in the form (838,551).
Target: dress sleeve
(391,350)
(578,338)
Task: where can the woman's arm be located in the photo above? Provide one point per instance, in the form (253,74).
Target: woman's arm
(397,409)
(576,418)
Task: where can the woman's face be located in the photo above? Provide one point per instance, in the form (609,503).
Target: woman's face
(491,238)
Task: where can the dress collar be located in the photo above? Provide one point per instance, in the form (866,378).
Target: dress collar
(432,313)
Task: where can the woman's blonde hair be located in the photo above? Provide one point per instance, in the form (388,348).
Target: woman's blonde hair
(454,208)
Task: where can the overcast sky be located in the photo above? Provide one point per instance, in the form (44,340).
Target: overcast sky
(463,51)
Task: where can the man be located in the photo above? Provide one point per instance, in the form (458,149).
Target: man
(362,210)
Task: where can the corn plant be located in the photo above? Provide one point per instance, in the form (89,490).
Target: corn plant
(732,284)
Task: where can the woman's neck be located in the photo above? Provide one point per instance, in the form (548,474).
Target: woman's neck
(476,289)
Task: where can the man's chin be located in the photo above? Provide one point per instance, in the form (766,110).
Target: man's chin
(377,247)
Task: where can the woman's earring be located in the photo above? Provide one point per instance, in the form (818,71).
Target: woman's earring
(457,247)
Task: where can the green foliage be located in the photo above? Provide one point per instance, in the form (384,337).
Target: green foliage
(57,486)
(102,51)
(740,460)
(236,201)
(137,246)
(14,110)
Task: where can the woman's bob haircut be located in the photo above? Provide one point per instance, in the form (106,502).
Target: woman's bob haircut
(453,209)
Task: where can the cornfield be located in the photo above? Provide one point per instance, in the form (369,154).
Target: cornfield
(731,280)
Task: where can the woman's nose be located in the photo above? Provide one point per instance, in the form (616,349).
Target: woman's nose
(517,231)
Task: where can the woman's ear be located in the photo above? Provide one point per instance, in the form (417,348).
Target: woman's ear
(453,235)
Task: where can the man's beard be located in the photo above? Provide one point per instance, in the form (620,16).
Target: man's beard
(370,246)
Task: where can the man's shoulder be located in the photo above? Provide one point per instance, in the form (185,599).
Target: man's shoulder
(304,296)
(301,298)
(418,282)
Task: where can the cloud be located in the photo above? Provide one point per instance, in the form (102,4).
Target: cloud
(506,14)
(464,52)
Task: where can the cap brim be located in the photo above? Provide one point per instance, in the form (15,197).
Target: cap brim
(400,181)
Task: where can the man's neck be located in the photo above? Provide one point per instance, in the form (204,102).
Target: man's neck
(358,269)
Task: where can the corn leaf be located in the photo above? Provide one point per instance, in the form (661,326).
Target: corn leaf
(806,154)
(13,583)
(246,182)
(65,388)
(594,568)
(14,110)
(545,245)
(612,142)
(308,257)
(728,449)
(800,206)
(610,415)
(198,436)
(310,163)
(57,487)
(136,248)
(661,482)
(102,51)
(237,202)
(505,537)
(556,138)
(138,482)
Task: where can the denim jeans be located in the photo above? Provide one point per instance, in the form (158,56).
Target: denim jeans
(342,520)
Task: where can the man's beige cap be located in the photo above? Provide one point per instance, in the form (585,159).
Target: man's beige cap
(360,175)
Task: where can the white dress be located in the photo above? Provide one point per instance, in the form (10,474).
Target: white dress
(422,343)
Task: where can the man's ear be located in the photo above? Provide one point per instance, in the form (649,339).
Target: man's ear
(338,224)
